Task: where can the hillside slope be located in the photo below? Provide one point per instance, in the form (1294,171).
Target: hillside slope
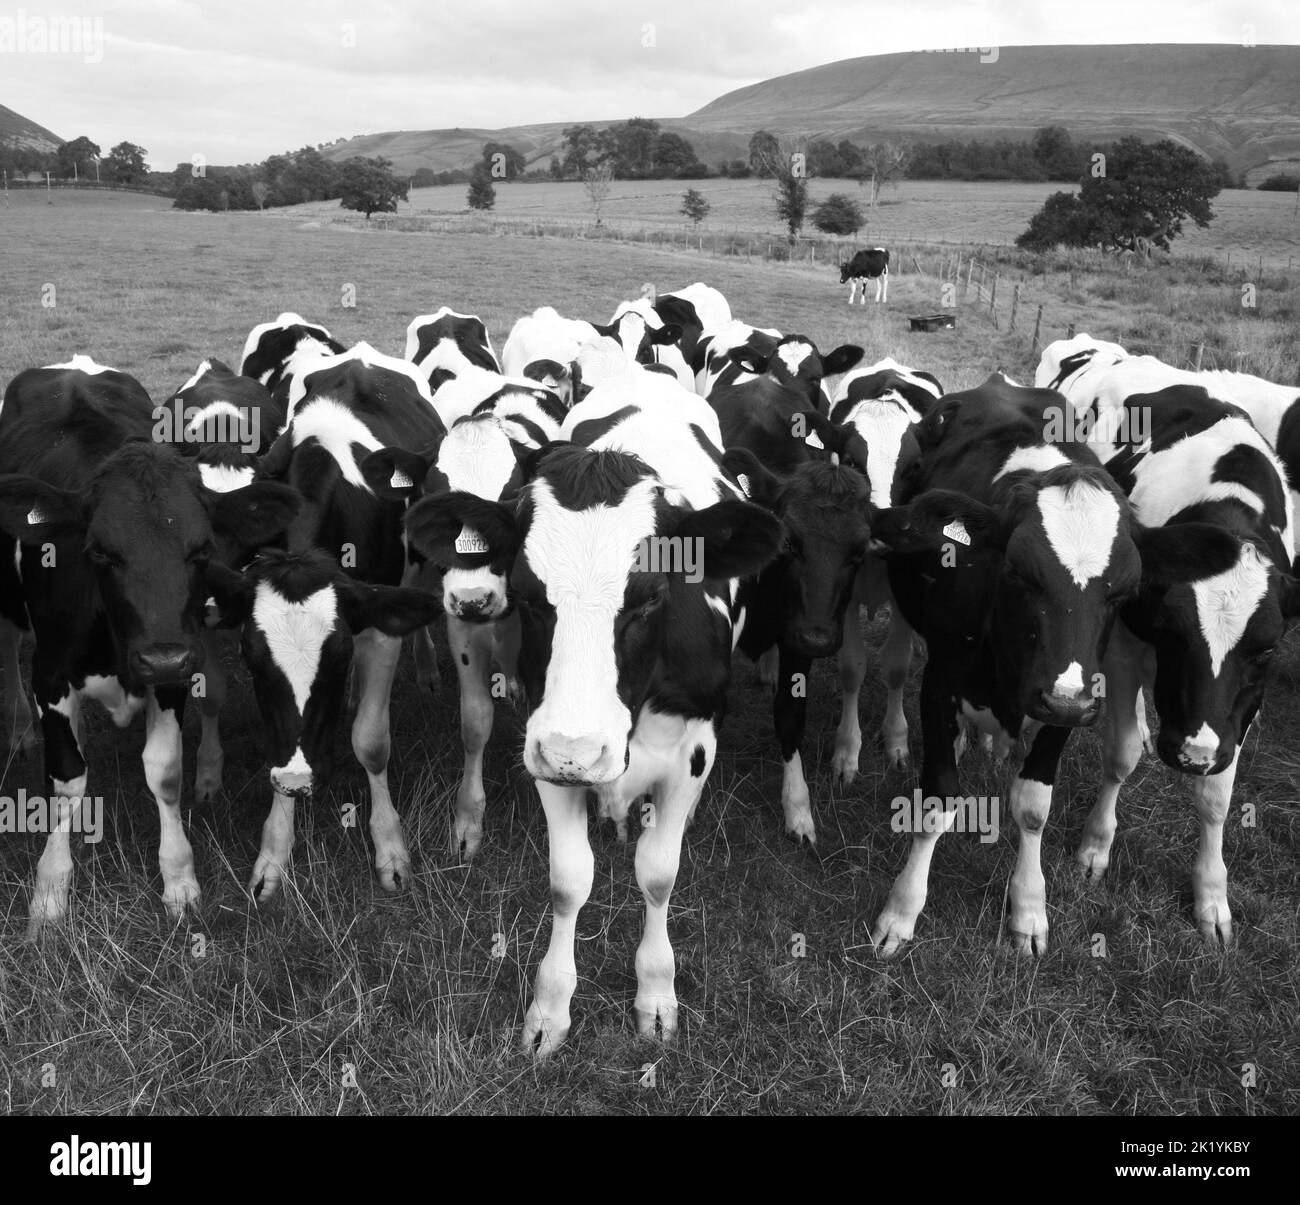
(16,127)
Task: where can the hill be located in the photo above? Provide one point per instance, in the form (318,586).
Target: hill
(1228,101)
(14,127)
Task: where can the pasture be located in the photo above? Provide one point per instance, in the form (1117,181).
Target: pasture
(336,998)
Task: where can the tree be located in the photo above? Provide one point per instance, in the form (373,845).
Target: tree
(260,190)
(838,214)
(785,162)
(424,177)
(481,193)
(74,155)
(126,165)
(367,186)
(502,162)
(557,168)
(582,150)
(695,206)
(763,146)
(884,163)
(1281,182)
(674,156)
(1054,150)
(1140,197)
(597,182)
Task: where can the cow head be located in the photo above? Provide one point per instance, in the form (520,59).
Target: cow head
(299,614)
(797,364)
(276,351)
(609,604)
(147,531)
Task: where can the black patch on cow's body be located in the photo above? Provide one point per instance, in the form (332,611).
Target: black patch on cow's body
(697,761)
(592,429)
(1249,467)
(1288,443)
(866,265)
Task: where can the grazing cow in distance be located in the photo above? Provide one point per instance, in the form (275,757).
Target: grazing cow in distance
(308,618)
(867,265)
(884,404)
(108,551)
(625,658)
(276,352)
(463,492)
(1188,459)
(543,346)
(443,344)
(1012,562)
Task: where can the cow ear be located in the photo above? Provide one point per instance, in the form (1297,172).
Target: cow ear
(394,473)
(829,435)
(841,359)
(435,524)
(530,459)
(393,610)
(255,514)
(275,461)
(759,483)
(738,539)
(32,512)
(670,332)
(439,377)
(1185,552)
(749,359)
(232,592)
(935,518)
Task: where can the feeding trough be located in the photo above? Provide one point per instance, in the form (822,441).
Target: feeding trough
(933,322)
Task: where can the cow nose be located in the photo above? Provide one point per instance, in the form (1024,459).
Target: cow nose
(572,759)
(1198,755)
(164,664)
(817,640)
(474,603)
(294,783)
(1068,710)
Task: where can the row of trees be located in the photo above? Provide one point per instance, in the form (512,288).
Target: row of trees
(80,159)
(637,149)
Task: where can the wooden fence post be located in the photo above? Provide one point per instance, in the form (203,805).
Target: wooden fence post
(1038,321)
(1069,331)
(1015,305)
(1200,353)
(993,301)
(970,273)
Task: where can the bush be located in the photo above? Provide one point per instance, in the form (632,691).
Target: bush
(838,214)
(1281,182)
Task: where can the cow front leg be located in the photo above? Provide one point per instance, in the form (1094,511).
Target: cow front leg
(853,668)
(546,1024)
(207,776)
(790,711)
(16,713)
(164,710)
(940,727)
(65,776)
(426,660)
(1212,795)
(471,647)
(895,661)
(1031,801)
(272,865)
(658,857)
(374,660)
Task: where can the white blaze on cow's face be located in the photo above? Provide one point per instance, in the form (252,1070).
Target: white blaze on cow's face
(477,458)
(579,733)
(1081,524)
(1225,604)
(884,424)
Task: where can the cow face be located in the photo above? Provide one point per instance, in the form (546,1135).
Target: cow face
(289,346)
(1214,640)
(299,614)
(797,364)
(148,532)
(824,512)
(607,595)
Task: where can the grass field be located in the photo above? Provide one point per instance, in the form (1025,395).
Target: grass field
(415,993)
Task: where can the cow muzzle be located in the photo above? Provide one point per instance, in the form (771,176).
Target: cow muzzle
(1065,710)
(1199,754)
(474,604)
(574,761)
(817,640)
(165,664)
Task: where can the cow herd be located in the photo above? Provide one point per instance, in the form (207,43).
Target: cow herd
(601,517)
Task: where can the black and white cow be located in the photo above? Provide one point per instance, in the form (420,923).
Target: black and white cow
(464,491)
(225,421)
(810,474)
(695,311)
(883,403)
(1190,460)
(713,360)
(867,265)
(309,616)
(1073,367)
(543,346)
(1013,572)
(445,343)
(108,553)
(276,352)
(627,638)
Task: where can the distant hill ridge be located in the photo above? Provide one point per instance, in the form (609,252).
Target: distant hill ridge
(14,127)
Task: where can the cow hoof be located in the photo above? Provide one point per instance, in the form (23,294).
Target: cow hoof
(844,765)
(207,787)
(266,879)
(801,830)
(1092,861)
(891,933)
(1216,930)
(466,837)
(657,1019)
(181,898)
(898,757)
(1028,944)
(543,1036)
(395,874)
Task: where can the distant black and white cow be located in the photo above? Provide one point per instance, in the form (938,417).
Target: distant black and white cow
(443,344)
(334,598)
(276,352)
(883,404)
(627,638)
(543,346)
(1013,562)
(1190,460)
(810,474)
(109,544)
(225,421)
(464,491)
(867,265)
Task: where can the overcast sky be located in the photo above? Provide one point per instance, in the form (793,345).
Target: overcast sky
(236,80)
